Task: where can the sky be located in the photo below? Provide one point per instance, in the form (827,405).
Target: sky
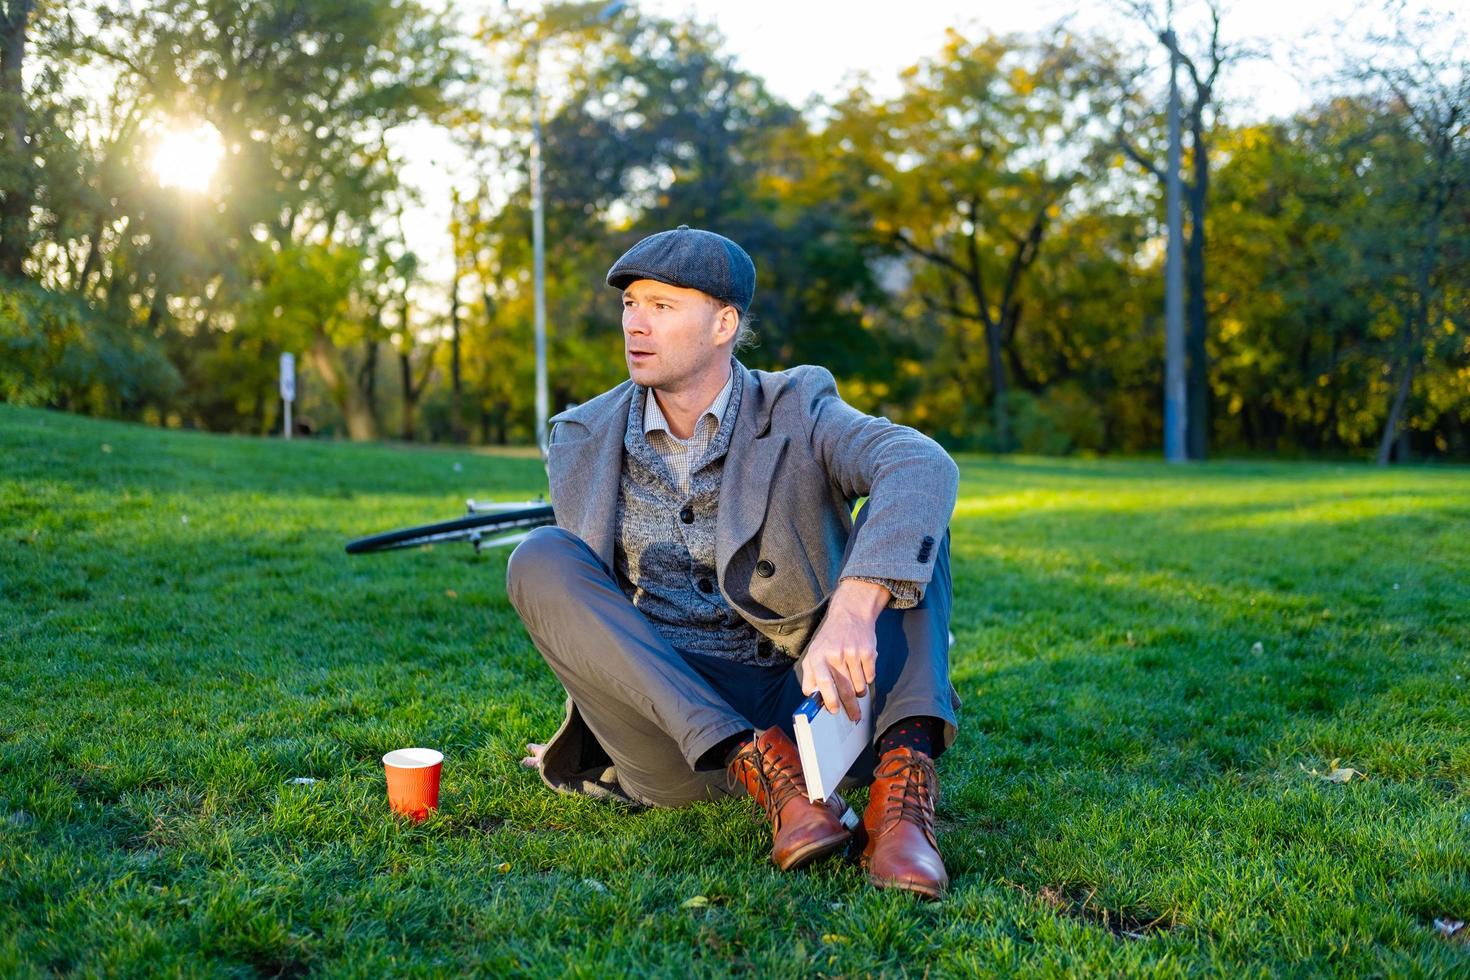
(813,49)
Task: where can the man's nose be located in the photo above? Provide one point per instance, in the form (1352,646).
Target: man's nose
(634,322)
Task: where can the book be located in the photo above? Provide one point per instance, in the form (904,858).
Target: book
(830,742)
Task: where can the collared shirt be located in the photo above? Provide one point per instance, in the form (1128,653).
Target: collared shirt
(681,455)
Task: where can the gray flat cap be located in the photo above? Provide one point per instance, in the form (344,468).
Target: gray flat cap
(692,258)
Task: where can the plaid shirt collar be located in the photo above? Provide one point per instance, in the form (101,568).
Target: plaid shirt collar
(653,416)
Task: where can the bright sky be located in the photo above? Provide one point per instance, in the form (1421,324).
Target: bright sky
(812,48)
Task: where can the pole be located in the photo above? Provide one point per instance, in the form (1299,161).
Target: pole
(1174,397)
(538,229)
(288,389)
(538,249)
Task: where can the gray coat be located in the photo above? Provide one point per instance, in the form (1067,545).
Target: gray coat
(799,458)
(798,461)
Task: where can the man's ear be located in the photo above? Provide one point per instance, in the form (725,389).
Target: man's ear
(727,325)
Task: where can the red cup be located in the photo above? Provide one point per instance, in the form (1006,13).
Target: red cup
(413,781)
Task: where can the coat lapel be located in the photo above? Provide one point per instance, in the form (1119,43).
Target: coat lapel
(750,464)
(584,468)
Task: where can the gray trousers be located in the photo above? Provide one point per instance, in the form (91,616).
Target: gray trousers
(653,711)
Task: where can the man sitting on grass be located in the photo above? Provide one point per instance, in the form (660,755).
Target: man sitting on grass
(706,574)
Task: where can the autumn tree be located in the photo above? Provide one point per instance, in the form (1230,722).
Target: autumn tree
(1421,77)
(965,173)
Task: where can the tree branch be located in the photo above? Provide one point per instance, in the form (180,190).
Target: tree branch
(938,258)
(1137,157)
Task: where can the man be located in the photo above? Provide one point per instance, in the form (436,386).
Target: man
(706,574)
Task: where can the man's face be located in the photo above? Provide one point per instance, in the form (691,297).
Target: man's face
(674,337)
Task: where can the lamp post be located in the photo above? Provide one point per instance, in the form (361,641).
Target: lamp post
(538,227)
(1174,395)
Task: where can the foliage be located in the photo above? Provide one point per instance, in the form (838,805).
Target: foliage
(978,254)
(57,352)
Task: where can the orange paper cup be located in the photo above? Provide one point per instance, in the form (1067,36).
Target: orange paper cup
(413,781)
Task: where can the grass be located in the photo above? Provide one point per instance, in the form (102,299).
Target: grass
(181,635)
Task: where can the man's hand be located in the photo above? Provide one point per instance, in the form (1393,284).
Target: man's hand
(842,659)
(533,760)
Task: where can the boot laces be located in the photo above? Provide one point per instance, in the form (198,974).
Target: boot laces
(917,792)
(774,782)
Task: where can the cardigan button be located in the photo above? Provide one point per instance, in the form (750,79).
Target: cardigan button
(687,515)
(764,568)
(706,586)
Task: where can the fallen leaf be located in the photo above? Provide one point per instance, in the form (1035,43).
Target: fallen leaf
(301,781)
(183,518)
(1258,648)
(1128,638)
(503,867)
(593,885)
(106,448)
(834,939)
(1336,773)
(697,902)
(451,593)
(1448,927)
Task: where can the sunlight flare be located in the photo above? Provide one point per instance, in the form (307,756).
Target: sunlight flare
(187,157)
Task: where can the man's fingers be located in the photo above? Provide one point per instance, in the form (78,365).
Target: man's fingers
(856,674)
(828,687)
(845,693)
(536,750)
(870,666)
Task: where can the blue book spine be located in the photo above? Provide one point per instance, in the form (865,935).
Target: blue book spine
(811,707)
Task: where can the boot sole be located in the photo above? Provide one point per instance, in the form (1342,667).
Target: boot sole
(814,851)
(931,892)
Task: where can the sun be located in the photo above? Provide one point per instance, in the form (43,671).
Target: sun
(187,158)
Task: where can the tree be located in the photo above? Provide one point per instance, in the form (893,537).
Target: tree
(954,178)
(1138,137)
(303,95)
(17,169)
(1423,79)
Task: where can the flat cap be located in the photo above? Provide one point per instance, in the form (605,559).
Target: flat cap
(692,258)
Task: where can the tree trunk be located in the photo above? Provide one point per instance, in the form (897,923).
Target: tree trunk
(456,384)
(94,254)
(1001,416)
(327,360)
(1197,402)
(410,398)
(1416,322)
(15,204)
(367,379)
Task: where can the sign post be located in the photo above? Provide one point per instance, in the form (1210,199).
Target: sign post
(288,387)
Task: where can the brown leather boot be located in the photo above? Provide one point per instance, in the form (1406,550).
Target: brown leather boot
(801,831)
(902,851)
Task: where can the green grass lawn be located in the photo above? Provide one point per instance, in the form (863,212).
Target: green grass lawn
(1153,662)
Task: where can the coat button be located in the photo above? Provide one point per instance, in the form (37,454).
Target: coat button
(763,648)
(764,568)
(706,586)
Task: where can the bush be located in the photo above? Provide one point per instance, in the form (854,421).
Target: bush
(1061,420)
(56,351)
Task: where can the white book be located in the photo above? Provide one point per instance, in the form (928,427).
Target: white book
(829,743)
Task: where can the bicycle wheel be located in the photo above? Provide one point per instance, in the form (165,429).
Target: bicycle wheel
(470,528)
